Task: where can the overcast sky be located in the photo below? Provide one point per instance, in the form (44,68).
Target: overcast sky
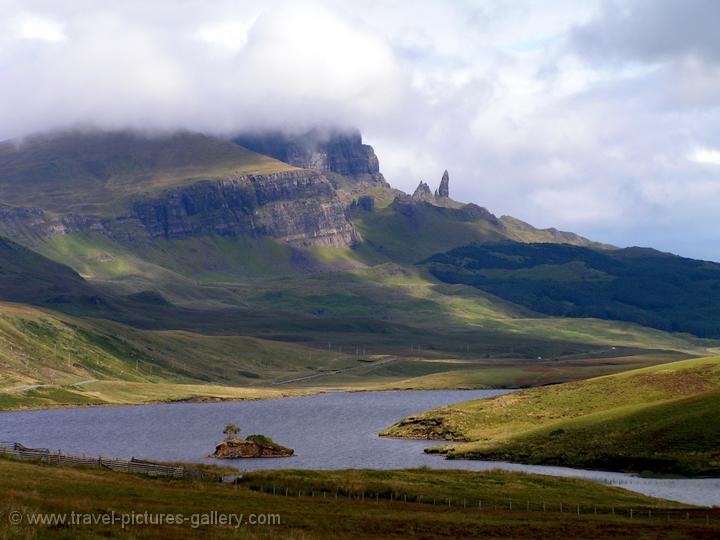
(598,117)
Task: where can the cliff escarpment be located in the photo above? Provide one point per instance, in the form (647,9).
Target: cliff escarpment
(337,152)
(299,207)
(162,187)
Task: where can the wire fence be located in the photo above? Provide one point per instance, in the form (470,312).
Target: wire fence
(708,516)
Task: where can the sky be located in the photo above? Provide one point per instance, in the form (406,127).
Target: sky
(599,117)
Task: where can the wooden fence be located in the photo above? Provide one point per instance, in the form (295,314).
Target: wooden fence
(120,465)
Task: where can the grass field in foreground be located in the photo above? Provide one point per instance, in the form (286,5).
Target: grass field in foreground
(31,488)
(660,419)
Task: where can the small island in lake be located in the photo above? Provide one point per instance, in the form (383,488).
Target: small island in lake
(253,446)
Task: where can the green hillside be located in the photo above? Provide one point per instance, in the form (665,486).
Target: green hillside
(26,276)
(408,231)
(49,359)
(316,514)
(293,312)
(95,172)
(424,334)
(640,285)
(659,419)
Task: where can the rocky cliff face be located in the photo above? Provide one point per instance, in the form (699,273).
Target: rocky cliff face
(133,188)
(336,152)
(299,207)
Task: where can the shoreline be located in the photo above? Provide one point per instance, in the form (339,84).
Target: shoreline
(288,393)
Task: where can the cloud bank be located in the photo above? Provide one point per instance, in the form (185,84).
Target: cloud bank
(598,117)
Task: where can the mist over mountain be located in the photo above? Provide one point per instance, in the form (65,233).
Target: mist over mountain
(603,124)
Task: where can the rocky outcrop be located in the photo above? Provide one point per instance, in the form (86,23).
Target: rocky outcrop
(473,212)
(422,193)
(444,189)
(336,152)
(434,425)
(239,449)
(300,207)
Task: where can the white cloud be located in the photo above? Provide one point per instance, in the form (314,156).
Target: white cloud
(230,35)
(706,155)
(40,28)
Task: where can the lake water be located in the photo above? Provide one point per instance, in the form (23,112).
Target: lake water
(328,431)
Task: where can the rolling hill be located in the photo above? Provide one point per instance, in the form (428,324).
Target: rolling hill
(659,419)
(195,240)
(634,284)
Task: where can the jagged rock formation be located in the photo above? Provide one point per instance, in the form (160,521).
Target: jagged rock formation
(444,189)
(134,189)
(337,152)
(422,192)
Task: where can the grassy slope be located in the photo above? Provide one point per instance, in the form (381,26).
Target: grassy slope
(645,286)
(26,276)
(382,310)
(515,373)
(29,488)
(447,333)
(44,355)
(386,294)
(95,172)
(411,233)
(658,419)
